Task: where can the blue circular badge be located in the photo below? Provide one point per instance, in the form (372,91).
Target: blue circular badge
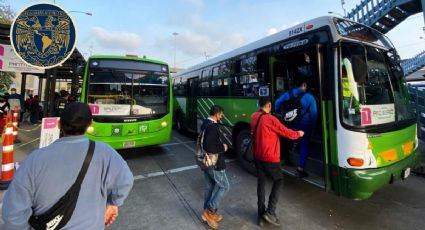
(43,35)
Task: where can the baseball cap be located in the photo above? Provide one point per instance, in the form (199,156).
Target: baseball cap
(76,114)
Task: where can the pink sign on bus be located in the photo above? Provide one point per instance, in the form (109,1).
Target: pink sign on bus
(94,109)
(366,116)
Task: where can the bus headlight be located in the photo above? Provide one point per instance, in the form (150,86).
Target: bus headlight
(164,124)
(90,129)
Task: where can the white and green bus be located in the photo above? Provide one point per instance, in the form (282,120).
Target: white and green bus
(366,136)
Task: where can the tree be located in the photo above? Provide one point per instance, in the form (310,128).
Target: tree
(6,13)
(6,17)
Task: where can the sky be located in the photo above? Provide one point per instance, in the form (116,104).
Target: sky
(205,28)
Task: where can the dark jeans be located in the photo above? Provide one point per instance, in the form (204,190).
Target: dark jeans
(273,171)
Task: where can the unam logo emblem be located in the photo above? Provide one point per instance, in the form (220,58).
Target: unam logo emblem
(43,35)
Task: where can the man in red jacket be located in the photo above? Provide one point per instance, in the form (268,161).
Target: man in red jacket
(267,157)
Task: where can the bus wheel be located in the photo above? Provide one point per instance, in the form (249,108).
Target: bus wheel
(242,141)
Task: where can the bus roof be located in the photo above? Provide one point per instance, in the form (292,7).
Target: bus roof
(279,36)
(134,58)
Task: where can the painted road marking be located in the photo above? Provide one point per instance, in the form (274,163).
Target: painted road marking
(27,143)
(171,171)
(177,143)
(187,146)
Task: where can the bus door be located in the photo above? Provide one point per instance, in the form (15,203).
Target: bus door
(285,67)
(191,118)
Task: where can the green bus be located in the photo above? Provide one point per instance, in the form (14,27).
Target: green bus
(130,99)
(366,134)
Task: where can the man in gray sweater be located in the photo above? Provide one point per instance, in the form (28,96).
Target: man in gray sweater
(47,174)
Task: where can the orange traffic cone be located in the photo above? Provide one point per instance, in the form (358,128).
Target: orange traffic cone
(7,164)
(15,124)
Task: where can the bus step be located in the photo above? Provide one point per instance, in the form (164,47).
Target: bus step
(311,179)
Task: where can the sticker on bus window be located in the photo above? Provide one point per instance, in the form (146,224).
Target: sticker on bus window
(279,84)
(110,109)
(377,114)
(263,91)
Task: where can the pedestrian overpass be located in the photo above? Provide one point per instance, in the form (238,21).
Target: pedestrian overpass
(384,15)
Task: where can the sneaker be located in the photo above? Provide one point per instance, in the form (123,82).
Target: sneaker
(302,173)
(217,217)
(208,217)
(272,219)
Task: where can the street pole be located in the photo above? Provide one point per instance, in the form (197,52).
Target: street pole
(175,35)
(342,6)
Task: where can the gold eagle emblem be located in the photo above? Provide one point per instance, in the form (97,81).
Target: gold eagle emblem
(43,37)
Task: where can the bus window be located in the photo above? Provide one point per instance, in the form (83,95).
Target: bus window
(378,91)
(215,71)
(249,65)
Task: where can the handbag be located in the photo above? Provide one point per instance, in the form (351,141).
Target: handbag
(61,212)
(203,159)
(248,152)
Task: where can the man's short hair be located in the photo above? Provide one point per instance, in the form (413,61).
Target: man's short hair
(263,101)
(216,109)
(75,118)
(64,93)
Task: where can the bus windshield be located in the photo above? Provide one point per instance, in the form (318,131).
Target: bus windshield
(128,93)
(373,90)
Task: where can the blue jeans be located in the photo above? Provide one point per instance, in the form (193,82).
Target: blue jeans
(216,185)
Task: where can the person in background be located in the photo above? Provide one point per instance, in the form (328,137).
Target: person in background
(35,109)
(307,121)
(16,101)
(216,180)
(267,157)
(44,177)
(61,102)
(4,109)
(26,117)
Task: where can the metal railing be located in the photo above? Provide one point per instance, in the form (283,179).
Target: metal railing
(414,64)
(384,15)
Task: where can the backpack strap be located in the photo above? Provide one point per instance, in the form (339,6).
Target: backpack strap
(86,164)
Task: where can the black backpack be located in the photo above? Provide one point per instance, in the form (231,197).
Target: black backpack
(292,108)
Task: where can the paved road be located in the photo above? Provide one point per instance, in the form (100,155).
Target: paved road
(168,194)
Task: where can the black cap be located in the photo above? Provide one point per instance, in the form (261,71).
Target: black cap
(76,114)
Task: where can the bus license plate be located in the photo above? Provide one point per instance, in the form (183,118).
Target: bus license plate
(406,173)
(129,144)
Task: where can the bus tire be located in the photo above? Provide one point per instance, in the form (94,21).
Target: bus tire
(242,141)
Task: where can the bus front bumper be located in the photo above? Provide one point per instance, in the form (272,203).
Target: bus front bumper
(361,184)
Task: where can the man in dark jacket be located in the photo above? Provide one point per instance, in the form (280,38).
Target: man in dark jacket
(216,180)
(267,157)
(61,102)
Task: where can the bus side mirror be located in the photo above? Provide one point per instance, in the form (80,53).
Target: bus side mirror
(359,68)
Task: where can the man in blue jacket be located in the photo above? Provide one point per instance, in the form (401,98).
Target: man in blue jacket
(306,122)
(47,173)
